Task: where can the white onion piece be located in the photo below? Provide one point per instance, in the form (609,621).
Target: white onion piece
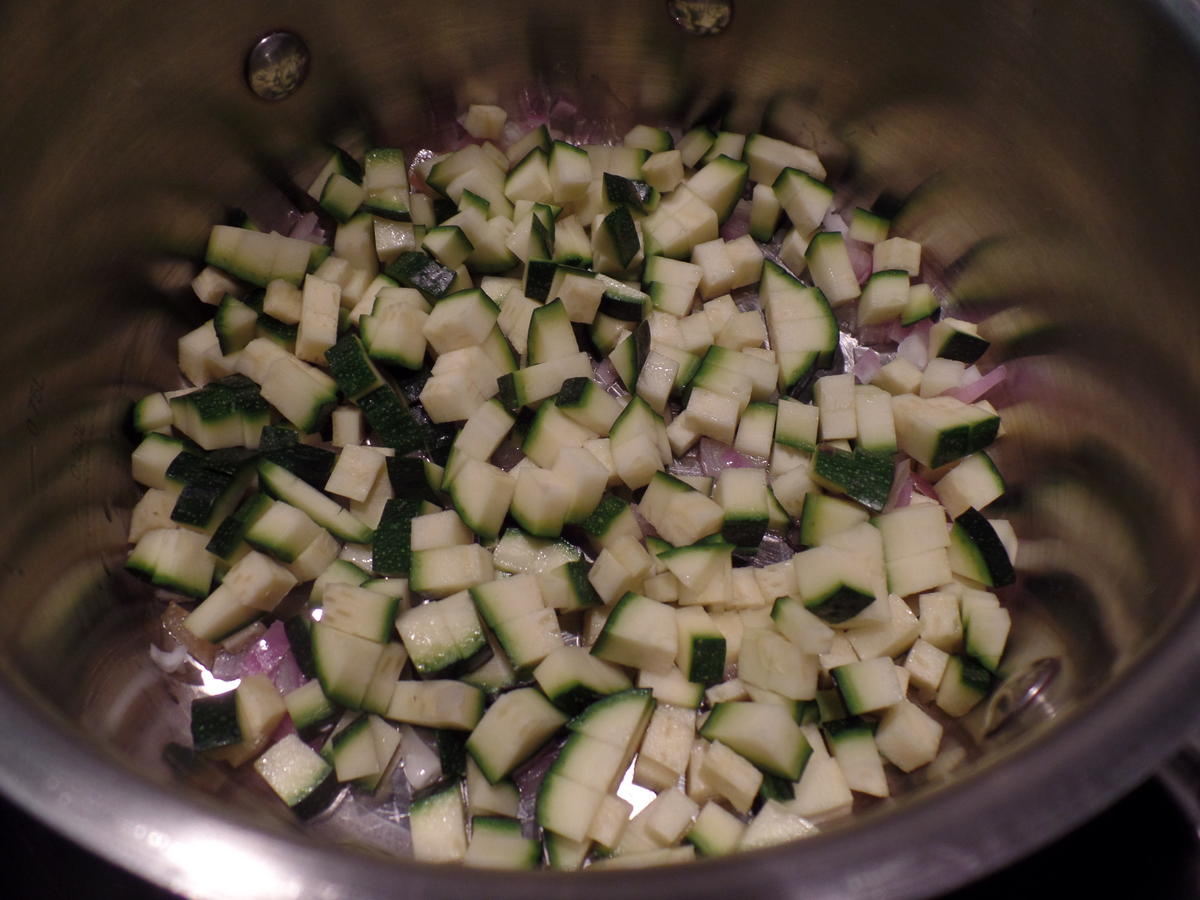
(533,106)
(565,109)
(902,486)
(169,660)
(421,764)
(359,554)
(308,228)
(969,393)
(862,260)
(866,364)
(716,457)
(513,132)
(915,349)
(648,530)
(833,221)
(897,332)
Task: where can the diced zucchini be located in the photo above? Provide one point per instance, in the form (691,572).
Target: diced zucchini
(497,843)
(512,730)
(442,633)
(977,552)
(438,825)
(572,678)
(437,704)
(639,632)
(869,685)
(761,732)
(297,774)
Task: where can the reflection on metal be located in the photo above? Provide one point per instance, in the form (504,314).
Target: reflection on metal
(1181,777)
(701,17)
(276,65)
(1021,692)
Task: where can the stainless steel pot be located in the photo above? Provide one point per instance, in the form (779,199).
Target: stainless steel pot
(1044,152)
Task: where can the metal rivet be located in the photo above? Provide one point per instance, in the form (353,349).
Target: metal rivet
(1020,692)
(701,17)
(276,65)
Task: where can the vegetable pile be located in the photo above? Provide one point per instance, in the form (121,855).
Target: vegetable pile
(518,465)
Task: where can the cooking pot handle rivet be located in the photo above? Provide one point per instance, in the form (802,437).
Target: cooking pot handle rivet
(1019,692)
(701,17)
(276,65)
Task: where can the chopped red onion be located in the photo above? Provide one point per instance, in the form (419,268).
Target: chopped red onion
(738,223)
(272,647)
(866,364)
(262,655)
(861,259)
(833,221)
(902,486)
(308,228)
(897,332)
(606,373)
(716,457)
(513,132)
(562,109)
(287,675)
(922,486)
(533,105)
(971,392)
(915,349)
(228,666)
(648,530)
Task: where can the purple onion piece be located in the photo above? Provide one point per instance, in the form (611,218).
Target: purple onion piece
(969,393)
(867,364)
(716,457)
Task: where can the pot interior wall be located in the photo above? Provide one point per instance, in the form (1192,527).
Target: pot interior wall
(1044,154)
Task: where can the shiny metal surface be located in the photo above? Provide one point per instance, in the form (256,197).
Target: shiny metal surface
(277,65)
(701,17)
(1043,152)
